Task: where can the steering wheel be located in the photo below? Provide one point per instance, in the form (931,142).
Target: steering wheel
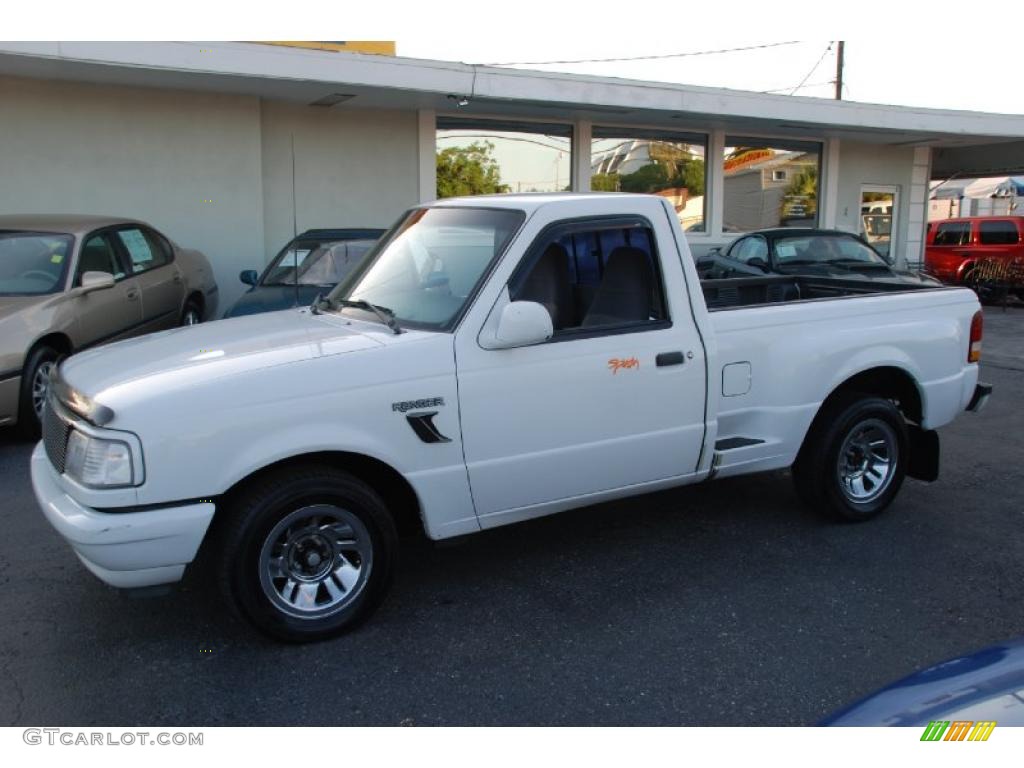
(37,273)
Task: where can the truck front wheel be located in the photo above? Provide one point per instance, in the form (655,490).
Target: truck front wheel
(854,459)
(308,552)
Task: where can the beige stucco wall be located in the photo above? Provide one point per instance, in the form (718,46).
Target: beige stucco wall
(211,171)
(154,155)
(353,168)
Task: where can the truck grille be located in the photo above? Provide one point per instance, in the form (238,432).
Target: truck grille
(55,436)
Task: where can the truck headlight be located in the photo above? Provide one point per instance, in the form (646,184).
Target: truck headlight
(98,462)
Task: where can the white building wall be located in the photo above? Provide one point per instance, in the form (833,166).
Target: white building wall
(877,164)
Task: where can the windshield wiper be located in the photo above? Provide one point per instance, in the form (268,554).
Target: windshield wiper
(385,315)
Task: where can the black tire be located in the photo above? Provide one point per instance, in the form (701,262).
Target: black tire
(253,523)
(851,420)
(987,295)
(191,313)
(28,419)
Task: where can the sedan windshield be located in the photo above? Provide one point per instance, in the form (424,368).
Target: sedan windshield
(33,263)
(431,265)
(838,250)
(323,263)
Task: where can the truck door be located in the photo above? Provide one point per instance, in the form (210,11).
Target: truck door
(614,399)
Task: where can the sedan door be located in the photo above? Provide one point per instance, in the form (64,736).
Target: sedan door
(151,260)
(108,313)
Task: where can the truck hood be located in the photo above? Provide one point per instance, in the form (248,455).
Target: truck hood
(226,348)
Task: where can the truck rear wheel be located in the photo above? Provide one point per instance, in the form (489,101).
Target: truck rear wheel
(308,553)
(854,459)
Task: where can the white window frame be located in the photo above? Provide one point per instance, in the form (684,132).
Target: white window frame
(885,189)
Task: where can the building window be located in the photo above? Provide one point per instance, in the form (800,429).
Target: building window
(655,162)
(769,184)
(483,157)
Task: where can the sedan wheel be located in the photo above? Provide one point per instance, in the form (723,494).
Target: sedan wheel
(41,386)
(35,386)
(191,315)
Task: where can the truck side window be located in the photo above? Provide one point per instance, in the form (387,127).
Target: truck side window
(998,232)
(605,277)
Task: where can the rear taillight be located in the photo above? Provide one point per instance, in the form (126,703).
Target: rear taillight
(974,351)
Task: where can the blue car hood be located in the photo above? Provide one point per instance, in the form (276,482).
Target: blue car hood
(268,298)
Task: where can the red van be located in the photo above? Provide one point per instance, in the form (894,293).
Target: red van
(955,246)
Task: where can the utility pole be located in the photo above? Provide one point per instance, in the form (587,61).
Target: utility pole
(839,71)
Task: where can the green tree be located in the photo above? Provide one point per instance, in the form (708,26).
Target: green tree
(802,188)
(469,170)
(604,182)
(691,176)
(647,178)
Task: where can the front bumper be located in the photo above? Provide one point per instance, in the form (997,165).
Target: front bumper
(124,549)
(979,400)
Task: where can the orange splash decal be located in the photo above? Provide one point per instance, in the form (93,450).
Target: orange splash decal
(618,363)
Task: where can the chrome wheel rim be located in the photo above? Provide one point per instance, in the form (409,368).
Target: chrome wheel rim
(315,561)
(867,461)
(191,318)
(41,386)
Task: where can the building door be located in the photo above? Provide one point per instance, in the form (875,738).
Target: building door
(878,208)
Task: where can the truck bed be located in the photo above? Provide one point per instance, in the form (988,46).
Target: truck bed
(743,292)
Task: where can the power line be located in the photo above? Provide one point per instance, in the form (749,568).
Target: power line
(806,85)
(813,69)
(644,58)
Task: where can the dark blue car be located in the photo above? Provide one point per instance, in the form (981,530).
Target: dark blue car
(987,685)
(313,262)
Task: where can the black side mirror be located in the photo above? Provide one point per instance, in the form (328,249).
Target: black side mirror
(758,263)
(249,276)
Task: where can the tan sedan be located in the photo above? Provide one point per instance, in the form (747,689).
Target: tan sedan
(69,282)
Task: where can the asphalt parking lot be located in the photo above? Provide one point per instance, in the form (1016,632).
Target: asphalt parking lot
(723,604)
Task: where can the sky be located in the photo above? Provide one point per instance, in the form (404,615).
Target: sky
(914,72)
(909,52)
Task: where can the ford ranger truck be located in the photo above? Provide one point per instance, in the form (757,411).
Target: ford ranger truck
(494,360)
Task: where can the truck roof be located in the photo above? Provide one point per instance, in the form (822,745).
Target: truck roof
(531,201)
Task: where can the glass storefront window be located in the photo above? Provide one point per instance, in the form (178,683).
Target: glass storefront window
(653,162)
(769,184)
(483,157)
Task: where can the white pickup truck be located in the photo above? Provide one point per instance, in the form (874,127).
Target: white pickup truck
(496,359)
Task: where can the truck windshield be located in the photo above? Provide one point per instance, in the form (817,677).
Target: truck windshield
(431,264)
(31,263)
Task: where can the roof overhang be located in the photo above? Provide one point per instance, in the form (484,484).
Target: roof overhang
(386,82)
